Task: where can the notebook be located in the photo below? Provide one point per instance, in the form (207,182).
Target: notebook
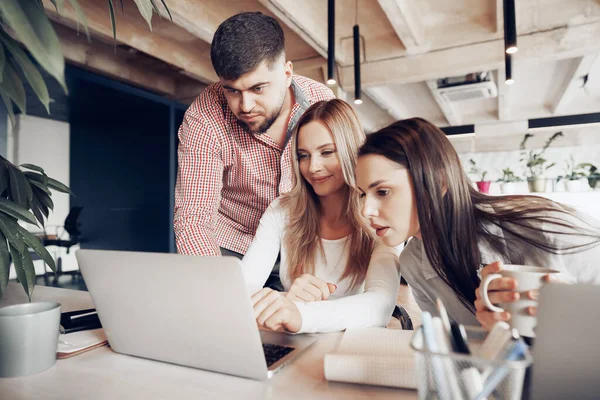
(373,356)
(72,344)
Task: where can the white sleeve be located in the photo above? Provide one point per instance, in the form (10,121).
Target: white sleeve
(260,257)
(373,307)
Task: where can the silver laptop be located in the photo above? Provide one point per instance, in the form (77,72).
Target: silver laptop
(187,310)
(566,351)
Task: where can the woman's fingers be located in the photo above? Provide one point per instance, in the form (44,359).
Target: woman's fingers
(487,319)
(492,268)
(261,303)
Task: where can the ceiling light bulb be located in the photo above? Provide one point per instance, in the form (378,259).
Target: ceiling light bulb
(357,101)
(331,81)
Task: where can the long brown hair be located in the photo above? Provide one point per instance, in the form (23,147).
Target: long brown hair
(453,215)
(302,238)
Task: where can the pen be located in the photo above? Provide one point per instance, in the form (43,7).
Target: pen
(517,351)
(431,345)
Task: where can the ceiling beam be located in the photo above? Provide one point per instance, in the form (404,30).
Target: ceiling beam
(407,23)
(307,21)
(498,23)
(573,82)
(446,108)
(558,43)
(504,95)
(102,59)
(384,97)
(309,63)
(132,31)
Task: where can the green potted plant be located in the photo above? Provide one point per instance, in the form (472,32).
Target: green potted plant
(573,175)
(593,177)
(535,163)
(29,332)
(482,184)
(508,180)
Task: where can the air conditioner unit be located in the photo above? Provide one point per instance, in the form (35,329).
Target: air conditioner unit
(468,91)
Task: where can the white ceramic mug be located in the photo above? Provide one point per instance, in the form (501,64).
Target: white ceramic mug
(528,278)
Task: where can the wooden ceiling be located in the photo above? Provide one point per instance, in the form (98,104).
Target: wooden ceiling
(408,44)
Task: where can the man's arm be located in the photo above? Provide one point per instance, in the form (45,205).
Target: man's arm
(198,190)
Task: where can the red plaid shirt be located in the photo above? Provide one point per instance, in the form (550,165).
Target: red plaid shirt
(227,177)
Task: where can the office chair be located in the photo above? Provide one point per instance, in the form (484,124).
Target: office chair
(72,226)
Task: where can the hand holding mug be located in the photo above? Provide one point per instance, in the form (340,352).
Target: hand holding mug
(516,289)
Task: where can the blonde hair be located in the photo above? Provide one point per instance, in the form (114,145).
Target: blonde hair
(302,238)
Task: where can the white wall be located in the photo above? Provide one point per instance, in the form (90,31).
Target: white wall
(45,143)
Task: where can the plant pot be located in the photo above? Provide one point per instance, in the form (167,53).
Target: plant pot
(508,188)
(484,186)
(28,338)
(537,185)
(573,186)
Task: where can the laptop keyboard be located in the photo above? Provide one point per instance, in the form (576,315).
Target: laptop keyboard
(275,352)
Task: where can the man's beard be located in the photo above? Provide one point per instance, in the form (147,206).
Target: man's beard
(262,128)
(269,120)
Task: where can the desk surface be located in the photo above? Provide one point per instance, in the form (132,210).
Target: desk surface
(104,374)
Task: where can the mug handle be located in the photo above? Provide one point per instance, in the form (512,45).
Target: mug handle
(484,292)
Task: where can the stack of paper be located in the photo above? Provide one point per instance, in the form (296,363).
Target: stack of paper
(74,343)
(374,356)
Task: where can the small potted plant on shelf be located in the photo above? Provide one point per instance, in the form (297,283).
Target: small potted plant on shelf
(536,164)
(508,180)
(482,184)
(592,174)
(572,176)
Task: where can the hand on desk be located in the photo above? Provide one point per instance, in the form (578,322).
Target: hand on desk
(310,288)
(274,311)
(502,290)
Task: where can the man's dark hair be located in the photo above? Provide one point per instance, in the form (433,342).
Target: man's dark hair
(243,42)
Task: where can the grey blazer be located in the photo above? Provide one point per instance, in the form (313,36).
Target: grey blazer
(583,266)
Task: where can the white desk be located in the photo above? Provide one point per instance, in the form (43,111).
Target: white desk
(104,374)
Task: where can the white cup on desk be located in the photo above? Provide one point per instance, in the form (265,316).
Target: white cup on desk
(528,278)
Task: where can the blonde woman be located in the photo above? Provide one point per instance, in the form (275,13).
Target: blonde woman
(326,254)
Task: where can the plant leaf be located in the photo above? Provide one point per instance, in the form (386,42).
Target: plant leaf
(41,187)
(13,87)
(4,263)
(111,11)
(37,246)
(9,106)
(31,25)
(3,176)
(21,267)
(20,189)
(155,8)
(58,4)
(81,18)
(33,168)
(43,198)
(145,7)
(168,11)
(59,186)
(36,209)
(30,71)
(2,61)
(9,228)
(16,211)
(33,176)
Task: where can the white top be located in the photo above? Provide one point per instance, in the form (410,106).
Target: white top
(375,299)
